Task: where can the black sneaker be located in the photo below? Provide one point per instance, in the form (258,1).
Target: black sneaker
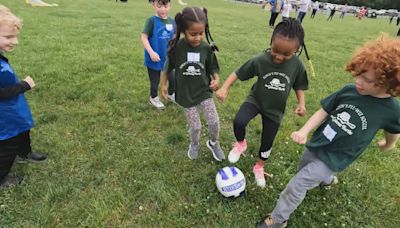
(33,157)
(10,181)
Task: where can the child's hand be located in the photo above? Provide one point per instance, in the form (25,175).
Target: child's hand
(222,94)
(300,110)
(383,146)
(154,57)
(214,84)
(30,81)
(164,92)
(299,137)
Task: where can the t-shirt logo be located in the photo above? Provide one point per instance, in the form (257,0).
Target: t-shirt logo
(192,71)
(6,67)
(275,84)
(342,120)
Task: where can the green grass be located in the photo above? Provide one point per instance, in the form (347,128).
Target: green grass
(116,162)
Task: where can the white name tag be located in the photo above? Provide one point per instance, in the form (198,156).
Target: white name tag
(193,57)
(329,132)
(169,27)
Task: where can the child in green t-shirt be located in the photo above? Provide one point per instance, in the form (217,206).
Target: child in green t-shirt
(196,77)
(278,70)
(346,124)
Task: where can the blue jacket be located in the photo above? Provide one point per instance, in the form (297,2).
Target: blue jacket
(15,115)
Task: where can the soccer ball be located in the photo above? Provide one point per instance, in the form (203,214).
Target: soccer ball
(230,181)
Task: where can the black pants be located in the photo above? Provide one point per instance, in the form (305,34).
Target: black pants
(154,77)
(269,127)
(10,148)
(314,11)
(398,32)
(273,18)
(398,21)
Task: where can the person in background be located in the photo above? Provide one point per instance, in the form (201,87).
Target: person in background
(315,8)
(304,6)
(157,32)
(287,7)
(343,11)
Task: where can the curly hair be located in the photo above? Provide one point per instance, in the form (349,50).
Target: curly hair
(8,18)
(383,56)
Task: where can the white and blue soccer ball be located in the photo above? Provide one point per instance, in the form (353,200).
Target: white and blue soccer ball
(230,181)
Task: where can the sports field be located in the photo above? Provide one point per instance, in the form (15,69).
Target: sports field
(114,161)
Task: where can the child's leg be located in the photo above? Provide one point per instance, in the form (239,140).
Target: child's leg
(193,118)
(246,113)
(171,82)
(154,77)
(24,142)
(310,176)
(269,130)
(210,112)
(8,151)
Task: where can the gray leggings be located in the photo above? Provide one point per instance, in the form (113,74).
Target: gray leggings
(193,117)
(311,173)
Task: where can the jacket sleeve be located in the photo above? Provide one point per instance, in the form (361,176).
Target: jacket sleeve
(14,90)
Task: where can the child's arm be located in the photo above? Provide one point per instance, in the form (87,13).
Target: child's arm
(222,93)
(301,104)
(214,84)
(315,120)
(145,41)
(21,87)
(389,142)
(163,80)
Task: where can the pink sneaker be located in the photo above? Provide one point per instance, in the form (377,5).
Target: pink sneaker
(259,175)
(238,149)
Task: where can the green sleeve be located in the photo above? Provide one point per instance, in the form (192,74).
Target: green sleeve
(148,26)
(212,63)
(301,82)
(247,70)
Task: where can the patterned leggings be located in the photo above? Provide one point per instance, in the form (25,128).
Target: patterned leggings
(210,112)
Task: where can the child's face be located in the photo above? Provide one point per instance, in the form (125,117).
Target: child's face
(8,38)
(283,48)
(195,33)
(162,10)
(365,85)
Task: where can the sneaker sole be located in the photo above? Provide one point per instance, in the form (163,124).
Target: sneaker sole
(212,151)
(30,161)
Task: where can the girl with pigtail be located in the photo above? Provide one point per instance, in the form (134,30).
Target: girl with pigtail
(196,77)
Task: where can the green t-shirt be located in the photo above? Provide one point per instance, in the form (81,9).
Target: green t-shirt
(149,24)
(352,123)
(193,69)
(274,82)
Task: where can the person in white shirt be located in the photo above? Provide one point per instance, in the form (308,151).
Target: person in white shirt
(315,9)
(303,8)
(343,11)
(287,7)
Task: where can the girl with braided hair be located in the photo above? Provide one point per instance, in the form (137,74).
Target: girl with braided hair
(196,77)
(278,70)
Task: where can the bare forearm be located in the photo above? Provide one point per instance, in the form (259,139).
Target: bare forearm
(229,81)
(300,97)
(146,43)
(314,121)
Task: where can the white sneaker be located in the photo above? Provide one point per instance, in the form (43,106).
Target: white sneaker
(156,102)
(171,97)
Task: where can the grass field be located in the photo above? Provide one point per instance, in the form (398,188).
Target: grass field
(114,161)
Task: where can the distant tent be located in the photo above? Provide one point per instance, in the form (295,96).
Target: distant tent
(39,3)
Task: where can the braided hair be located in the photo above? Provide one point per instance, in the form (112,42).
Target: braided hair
(290,28)
(189,16)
